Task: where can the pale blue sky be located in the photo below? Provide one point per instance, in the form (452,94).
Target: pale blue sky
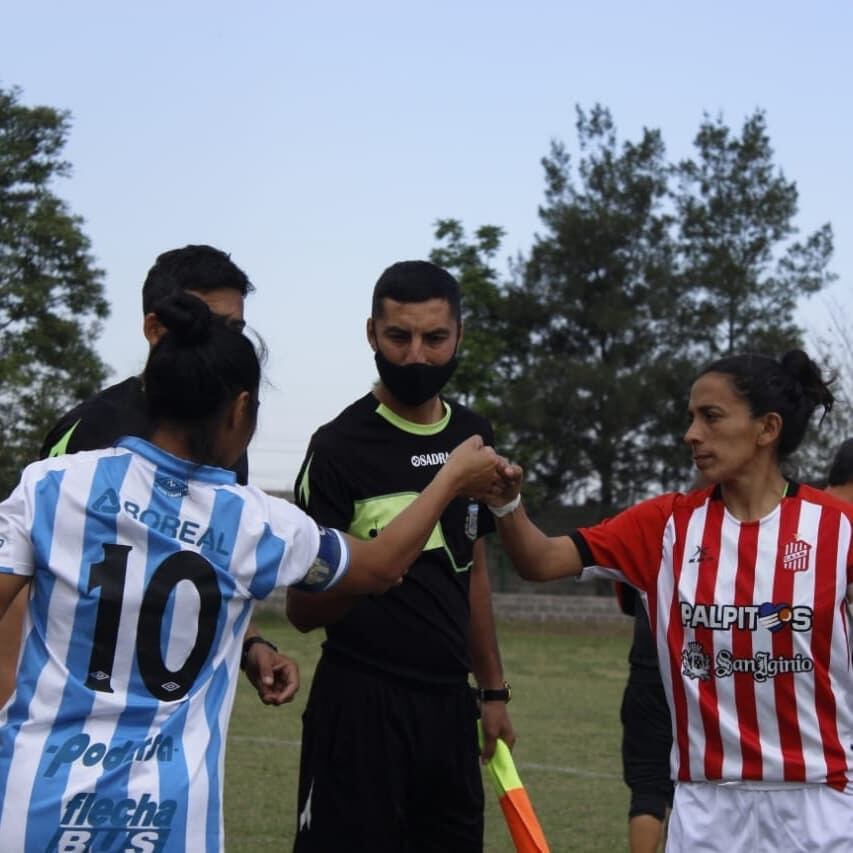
(319,142)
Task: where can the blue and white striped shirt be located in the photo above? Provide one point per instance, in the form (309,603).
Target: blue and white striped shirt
(144,569)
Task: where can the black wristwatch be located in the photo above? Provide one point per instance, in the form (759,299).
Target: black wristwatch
(248,643)
(501,694)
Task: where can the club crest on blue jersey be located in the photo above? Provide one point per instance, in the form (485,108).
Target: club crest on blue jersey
(171,487)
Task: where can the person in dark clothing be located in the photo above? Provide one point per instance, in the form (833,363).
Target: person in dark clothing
(646,733)
(841,472)
(121,410)
(391,718)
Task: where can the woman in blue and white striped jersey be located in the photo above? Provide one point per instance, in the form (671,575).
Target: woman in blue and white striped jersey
(144,561)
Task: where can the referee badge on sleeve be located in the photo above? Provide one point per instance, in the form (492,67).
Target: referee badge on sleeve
(471,521)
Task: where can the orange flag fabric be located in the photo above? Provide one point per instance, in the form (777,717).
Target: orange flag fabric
(518,811)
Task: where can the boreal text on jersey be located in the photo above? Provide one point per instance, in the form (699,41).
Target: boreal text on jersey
(169,525)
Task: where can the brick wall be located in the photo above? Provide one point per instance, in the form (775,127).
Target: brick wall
(522,607)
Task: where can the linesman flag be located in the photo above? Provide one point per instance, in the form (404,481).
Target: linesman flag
(518,811)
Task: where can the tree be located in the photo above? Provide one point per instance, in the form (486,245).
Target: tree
(744,270)
(484,363)
(494,333)
(598,289)
(51,293)
(645,272)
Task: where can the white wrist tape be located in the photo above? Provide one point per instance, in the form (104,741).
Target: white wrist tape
(506,509)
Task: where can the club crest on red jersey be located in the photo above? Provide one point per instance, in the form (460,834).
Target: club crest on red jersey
(795,555)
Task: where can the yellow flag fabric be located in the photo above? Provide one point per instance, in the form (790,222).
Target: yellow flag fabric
(521,820)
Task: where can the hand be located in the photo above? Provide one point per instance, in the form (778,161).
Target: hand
(272,674)
(496,723)
(506,483)
(473,466)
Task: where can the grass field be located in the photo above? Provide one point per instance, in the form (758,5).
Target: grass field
(567,686)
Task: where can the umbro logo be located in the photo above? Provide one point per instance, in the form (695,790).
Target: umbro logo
(171,487)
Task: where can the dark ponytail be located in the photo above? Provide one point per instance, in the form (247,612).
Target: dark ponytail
(197,369)
(793,387)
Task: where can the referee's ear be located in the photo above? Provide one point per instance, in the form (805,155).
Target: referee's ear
(153,329)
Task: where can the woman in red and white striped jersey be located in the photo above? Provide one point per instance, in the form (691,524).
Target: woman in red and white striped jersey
(747,584)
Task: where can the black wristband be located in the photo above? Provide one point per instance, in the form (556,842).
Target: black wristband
(501,694)
(248,643)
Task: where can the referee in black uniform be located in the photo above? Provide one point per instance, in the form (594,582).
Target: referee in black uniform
(389,749)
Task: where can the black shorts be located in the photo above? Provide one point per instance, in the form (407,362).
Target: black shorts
(646,744)
(388,766)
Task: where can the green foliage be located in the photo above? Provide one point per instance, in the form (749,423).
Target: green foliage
(485,355)
(599,286)
(745,272)
(645,271)
(51,294)
(744,266)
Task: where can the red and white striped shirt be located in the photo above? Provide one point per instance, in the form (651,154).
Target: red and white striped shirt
(751,622)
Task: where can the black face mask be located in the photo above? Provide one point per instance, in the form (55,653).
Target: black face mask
(413,384)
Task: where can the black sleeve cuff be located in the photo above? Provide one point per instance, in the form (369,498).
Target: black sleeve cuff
(583,549)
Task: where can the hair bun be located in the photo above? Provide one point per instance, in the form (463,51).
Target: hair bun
(186,316)
(798,365)
(804,371)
